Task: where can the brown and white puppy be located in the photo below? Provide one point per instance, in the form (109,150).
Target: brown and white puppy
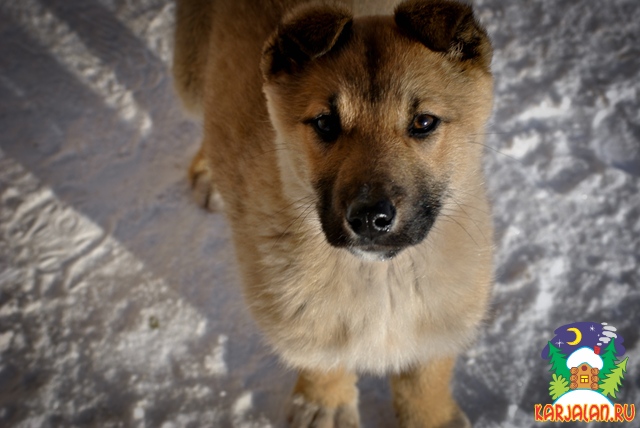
(346,152)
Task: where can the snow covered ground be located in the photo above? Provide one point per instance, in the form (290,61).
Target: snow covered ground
(118,301)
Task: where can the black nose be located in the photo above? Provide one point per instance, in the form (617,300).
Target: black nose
(371,220)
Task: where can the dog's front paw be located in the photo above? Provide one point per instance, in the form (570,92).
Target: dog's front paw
(204,188)
(305,414)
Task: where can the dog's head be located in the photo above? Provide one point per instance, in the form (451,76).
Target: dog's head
(378,118)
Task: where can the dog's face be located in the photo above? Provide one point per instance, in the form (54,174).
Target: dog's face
(379,117)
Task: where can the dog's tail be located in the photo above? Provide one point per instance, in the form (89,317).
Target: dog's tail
(193,29)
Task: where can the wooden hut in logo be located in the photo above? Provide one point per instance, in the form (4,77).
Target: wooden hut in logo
(585,365)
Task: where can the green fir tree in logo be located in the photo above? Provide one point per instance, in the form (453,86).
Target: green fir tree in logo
(558,386)
(558,362)
(613,381)
(609,357)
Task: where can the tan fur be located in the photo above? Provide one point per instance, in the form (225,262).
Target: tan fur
(191,45)
(324,399)
(422,397)
(326,311)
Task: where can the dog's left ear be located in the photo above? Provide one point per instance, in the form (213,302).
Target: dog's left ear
(445,26)
(307,33)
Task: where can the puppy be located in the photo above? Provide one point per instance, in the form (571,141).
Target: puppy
(346,152)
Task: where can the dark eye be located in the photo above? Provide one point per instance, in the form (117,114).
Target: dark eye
(327,126)
(422,125)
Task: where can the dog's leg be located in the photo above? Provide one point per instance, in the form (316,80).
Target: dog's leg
(422,397)
(204,188)
(194,19)
(325,400)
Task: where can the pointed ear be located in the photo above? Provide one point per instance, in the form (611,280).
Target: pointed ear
(308,32)
(445,26)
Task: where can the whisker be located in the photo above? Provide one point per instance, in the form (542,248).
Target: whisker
(467,193)
(496,133)
(302,207)
(303,220)
(461,226)
(312,197)
(493,149)
(461,217)
(468,217)
(460,204)
(309,206)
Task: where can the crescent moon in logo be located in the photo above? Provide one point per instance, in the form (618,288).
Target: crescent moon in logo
(578,336)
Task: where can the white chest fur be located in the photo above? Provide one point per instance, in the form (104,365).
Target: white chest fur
(328,308)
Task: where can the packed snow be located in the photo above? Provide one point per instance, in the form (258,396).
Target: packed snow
(119,304)
(584,355)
